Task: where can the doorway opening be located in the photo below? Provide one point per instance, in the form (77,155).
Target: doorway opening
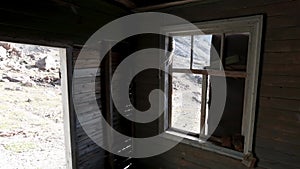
(31,107)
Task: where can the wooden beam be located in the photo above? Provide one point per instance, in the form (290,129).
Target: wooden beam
(65,3)
(127,3)
(222,73)
(164,5)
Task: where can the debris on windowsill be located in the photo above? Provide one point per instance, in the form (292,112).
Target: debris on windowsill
(249,160)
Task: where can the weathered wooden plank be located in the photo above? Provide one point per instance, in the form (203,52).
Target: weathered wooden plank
(288,128)
(93,125)
(89,149)
(281,57)
(33,36)
(89,72)
(86,87)
(21,21)
(50,17)
(87,158)
(53,8)
(280,81)
(84,107)
(269,163)
(282,46)
(228,8)
(286,116)
(285,33)
(86,80)
(87,63)
(277,158)
(92,163)
(200,158)
(86,90)
(280,92)
(277,135)
(281,70)
(87,146)
(86,97)
(275,8)
(90,54)
(272,145)
(282,21)
(168,161)
(146,165)
(84,139)
(280,104)
(89,116)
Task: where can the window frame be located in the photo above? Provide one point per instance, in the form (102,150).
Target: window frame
(253,26)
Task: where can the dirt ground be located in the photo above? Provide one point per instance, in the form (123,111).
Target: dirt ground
(31,128)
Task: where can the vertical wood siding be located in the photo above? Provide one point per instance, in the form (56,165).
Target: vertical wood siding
(277,137)
(89,154)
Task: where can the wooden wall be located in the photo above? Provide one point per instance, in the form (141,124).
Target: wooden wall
(63,23)
(88,154)
(277,137)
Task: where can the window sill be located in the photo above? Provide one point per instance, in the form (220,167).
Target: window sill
(205,145)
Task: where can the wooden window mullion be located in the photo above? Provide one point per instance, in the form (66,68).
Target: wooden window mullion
(170,89)
(192,52)
(203,105)
(222,52)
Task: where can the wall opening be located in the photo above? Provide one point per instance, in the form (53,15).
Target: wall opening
(31,107)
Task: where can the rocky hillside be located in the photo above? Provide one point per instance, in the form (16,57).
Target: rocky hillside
(29,64)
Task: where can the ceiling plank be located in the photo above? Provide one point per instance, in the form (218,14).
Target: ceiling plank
(127,3)
(164,5)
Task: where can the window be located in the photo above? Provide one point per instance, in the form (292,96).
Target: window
(226,51)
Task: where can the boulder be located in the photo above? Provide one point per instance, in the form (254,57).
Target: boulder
(46,63)
(7,46)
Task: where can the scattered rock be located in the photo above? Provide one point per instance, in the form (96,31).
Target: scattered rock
(57,81)
(9,88)
(41,61)
(7,46)
(28,100)
(28,83)
(18,89)
(46,63)
(4,80)
(13,133)
(13,79)
(31,56)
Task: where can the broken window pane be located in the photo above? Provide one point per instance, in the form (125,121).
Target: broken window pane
(215,52)
(186,102)
(182,52)
(228,133)
(236,51)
